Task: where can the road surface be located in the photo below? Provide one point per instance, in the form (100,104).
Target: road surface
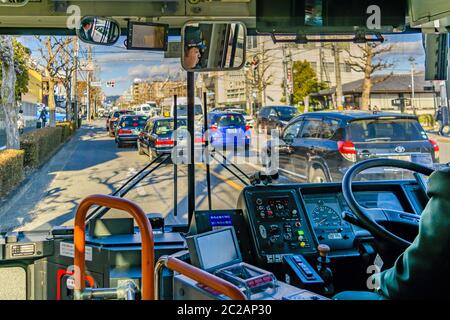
(91,163)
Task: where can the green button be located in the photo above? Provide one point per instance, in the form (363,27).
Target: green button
(301,232)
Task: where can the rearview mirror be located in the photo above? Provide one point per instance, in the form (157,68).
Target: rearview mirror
(436,56)
(98,30)
(13,3)
(213,46)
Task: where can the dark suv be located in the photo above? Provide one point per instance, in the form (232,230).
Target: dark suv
(274,117)
(320,146)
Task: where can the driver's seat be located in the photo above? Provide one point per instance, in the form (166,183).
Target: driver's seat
(422,271)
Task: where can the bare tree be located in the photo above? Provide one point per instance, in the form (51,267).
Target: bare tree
(66,61)
(258,75)
(51,51)
(369,61)
(8,100)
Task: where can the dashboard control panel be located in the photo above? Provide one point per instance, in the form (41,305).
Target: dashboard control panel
(278,225)
(325,212)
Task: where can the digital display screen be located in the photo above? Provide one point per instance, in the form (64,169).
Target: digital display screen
(217,221)
(216,249)
(313,13)
(147,36)
(328,16)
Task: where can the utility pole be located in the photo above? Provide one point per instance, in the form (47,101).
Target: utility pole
(411,59)
(88,84)
(337,70)
(74,81)
(285,69)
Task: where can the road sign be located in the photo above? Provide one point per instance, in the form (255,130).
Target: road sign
(96,83)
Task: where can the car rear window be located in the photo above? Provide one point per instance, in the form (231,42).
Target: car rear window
(119,113)
(167,126)
(133,122)
(286,113)
(230,120)
(378,130)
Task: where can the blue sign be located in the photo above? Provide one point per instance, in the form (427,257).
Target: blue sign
(220,220)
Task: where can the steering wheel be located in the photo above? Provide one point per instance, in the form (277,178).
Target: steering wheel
(370,219)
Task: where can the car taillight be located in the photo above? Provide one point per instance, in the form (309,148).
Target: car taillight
(123,131)
(213,127)
(135,124)
(347,150)
(435,147)
(247,127)
(164,142)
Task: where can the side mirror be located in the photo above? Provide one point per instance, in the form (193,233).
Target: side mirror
(98,30)
(213,46)
(13,3)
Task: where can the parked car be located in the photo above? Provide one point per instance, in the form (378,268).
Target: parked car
(274,117)
(248,119)
(128,129)
(112,120)
(321,146)
(158,136)
(228,129)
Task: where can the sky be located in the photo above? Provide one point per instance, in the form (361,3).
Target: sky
(124,66)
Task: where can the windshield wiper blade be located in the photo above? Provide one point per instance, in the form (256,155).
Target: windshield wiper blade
(101,211)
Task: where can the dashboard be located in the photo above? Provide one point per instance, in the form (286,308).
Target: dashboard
(295,218)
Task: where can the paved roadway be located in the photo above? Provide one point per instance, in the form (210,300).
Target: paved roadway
(90,163)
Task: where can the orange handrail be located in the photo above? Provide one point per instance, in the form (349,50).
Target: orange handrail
(205,278)
(147,253)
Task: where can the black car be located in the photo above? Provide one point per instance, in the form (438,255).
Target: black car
(321,146)
(158,136)
(128,129)
(113,118)
(274,117)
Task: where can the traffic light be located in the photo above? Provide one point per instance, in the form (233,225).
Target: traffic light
(110,84)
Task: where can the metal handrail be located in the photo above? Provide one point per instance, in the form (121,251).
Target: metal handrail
(199,275)
(147,251)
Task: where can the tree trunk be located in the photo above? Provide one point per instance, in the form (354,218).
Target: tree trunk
(51,102)
(365,99)
(367,84)
(337,69)
(8,92)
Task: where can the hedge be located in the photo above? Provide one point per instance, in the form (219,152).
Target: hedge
(11,169)
(68,129)
(40,144)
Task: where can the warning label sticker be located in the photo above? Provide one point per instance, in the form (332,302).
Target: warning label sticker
(67,250)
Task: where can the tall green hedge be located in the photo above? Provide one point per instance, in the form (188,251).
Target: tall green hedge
(11,169)
(40,144)
(68,129)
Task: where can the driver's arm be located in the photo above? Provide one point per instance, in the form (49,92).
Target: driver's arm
(423,270)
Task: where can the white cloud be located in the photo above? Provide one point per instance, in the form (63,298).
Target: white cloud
(157,72)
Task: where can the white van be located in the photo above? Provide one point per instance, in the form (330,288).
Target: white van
(167,106)
(143,110)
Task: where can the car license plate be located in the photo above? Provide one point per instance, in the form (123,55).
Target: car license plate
(402,157)
(232,131)
(422,159)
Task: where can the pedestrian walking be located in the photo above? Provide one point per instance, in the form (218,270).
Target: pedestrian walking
(20,122)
